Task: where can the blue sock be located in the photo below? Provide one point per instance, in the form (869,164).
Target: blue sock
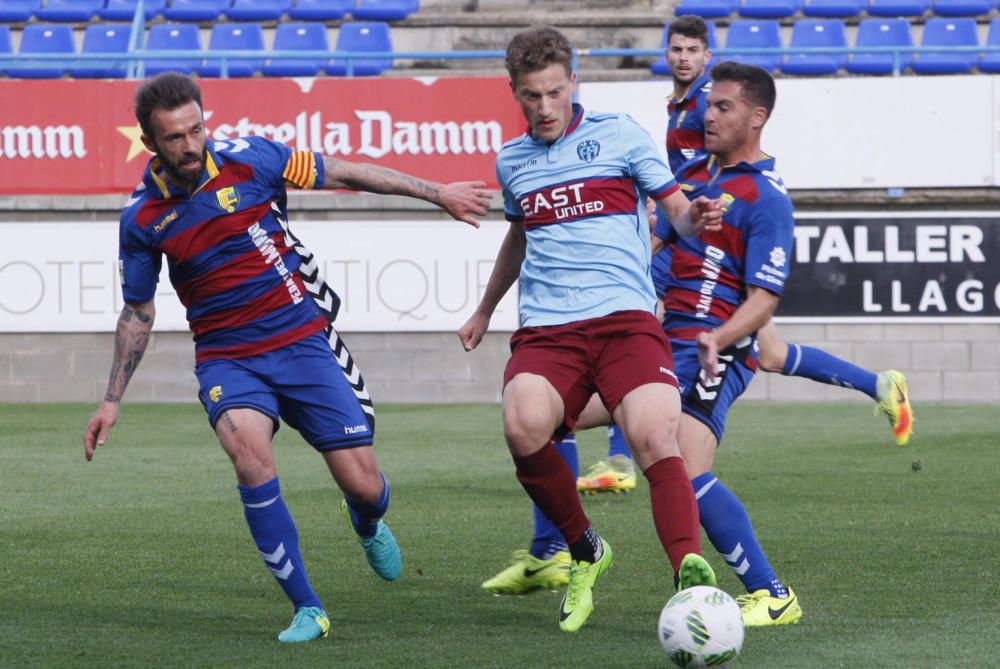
(616,442)
(548,540)
(728,528)
(274,532)
(365,517)
(812,363)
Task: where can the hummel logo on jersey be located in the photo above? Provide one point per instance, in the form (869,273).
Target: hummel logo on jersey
(588,150)
(169,218)
(668,372)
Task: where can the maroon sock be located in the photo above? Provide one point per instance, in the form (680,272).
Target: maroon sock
(675,510)
(551,485)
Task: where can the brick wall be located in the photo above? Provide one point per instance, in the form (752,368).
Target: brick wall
(958,363)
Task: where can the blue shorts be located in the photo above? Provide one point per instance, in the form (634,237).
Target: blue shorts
(302,383)
(709,403)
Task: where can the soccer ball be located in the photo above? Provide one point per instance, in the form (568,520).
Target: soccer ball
(701,627)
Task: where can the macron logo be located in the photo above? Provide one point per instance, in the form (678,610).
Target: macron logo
(356,428)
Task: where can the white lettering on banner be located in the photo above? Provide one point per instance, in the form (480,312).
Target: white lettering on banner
(932,244)
(50,141)
(968,297)
(378,135)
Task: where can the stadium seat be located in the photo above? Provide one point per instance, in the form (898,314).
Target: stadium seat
(833,9)
(961,7)
(234,36)
(172,37)
(991,60)
(104,38)
(69,10)
(706,9)
(947,32)
(298,37)
(16,11)
(5,45)
(320,10)
(754,34)
(124,10)
(257,10)
(880,32)
(661,66)
(384,10)
(43,38)
(195,10)
(816,33)
(895,8)
(768,9)
(363,36)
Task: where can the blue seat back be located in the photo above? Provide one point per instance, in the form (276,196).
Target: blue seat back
(195,10)
(309,36)
(947,32)
(5,44)
(320,10)
(880,33)
(104,38)
(257,10)
(384,10)
(706,9)
(754,34)
(812,33)
(363,36)
(44,38)
(173,37)
(69,10)
(16,11)
(234,36)
(124,10)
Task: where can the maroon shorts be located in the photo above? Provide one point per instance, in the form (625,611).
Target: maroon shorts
(611,355)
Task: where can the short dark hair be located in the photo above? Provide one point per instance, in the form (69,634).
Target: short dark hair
(758,84)
(166,91)
(536,49)
(689,26)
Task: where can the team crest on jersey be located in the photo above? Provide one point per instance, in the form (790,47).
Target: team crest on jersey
(228,198)
(215,394)
(588,150)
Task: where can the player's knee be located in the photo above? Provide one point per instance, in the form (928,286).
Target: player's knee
(770,362)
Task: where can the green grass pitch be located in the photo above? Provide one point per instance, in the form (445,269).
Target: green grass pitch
(142,558)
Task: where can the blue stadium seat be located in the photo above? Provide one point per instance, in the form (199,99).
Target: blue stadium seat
(769,9)
(880,32)
(69,10)
(257,10)
(321,10)
(363,36)
(707,9)
(172,37)
(895,8)
(103,38)
(44,38)
(16,11)
(234,36)
(947,32)
(833,9)
(961,7)
(816,33)
(5,44)
(991,60)
(661,66)
(298,37)
(195,10)
(124,10)
(754,34)
(384,10)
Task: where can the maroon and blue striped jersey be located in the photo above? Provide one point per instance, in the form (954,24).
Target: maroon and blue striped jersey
(229,259)
(686,124)
(709,273)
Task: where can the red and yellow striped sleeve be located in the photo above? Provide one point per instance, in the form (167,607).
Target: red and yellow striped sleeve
(300,170)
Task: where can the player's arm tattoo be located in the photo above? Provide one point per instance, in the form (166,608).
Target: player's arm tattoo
(135,322)
(376,179)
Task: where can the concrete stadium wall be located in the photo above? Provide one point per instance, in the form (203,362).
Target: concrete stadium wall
(944,362)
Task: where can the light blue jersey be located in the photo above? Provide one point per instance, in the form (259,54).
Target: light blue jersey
(582,200)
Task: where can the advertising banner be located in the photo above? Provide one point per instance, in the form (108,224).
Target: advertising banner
(71,137)
(864,267)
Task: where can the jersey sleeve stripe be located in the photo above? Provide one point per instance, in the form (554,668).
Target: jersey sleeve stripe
(666,190)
